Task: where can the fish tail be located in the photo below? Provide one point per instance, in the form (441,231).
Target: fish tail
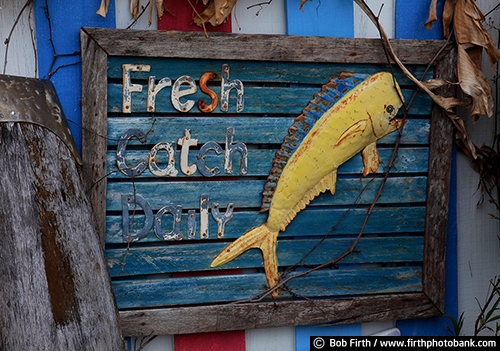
(261,238)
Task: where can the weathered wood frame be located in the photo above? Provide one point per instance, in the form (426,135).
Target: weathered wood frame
(97,44)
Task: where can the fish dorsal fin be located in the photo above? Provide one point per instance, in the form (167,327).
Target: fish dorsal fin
(330,93)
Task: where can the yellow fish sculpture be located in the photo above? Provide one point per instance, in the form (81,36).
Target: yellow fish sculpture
(349,115)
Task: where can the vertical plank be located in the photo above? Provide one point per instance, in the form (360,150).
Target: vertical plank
(21,49)
(411,17)
(271,339)
(180,17)
(55,31)
(364,27)
(95,125)
(221,341)
(124,20)
(332,18)
(302,334)
(249,18)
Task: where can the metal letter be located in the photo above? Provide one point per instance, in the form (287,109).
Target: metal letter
(214,100)
(191,224)
(170,169)
(177,93)
(221,219)
(148,213)
(226,86)
(186,142)
(120,153)
(155,89)
(231,149)
(128,87)
(202,154)
(175,233)
(204,216)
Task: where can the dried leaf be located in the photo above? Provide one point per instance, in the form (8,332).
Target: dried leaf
(432,15)
(474,83)
(216,12)
(160,9)
(103,9)
(150,13)
(436,83)
(302,2)
(134,8)
(470,31)
(448,13)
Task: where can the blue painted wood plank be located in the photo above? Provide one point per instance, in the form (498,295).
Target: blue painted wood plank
(252,72)
(63,36)
(147,260)
(322,18)
(309,222)
(408,160)
(411,17)
(193,290)
(258,100)
(303,333)
(247,193)
(247,129)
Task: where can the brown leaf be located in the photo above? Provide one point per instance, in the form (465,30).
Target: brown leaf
(469,29)
(103,9)
(448,13)
(474,83)
(432,15)
(435,83)
(134,8)
(159,9)
(216,12)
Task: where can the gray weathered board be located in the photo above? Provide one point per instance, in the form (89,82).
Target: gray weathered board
(167,286)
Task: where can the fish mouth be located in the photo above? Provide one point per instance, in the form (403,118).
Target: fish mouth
(397,123)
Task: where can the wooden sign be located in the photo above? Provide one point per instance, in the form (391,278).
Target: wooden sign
(180,133)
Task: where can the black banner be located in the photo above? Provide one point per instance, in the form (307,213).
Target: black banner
(328,343)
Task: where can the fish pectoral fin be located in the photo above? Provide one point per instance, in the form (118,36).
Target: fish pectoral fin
(352,131)
(258,238)
(371,159)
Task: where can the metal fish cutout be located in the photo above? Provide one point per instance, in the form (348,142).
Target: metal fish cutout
(349,115)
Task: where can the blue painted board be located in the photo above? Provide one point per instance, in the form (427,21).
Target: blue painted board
(260,130)
(310,222)
(164,291)
(171,258)
(322,18)
(58,49)
(303,333)
(262,71)
(411,17)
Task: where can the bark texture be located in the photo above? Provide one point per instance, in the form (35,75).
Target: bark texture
(55,292)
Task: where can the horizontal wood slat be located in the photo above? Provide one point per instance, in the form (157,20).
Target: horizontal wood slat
(310,222)
(224,288)
(147,260)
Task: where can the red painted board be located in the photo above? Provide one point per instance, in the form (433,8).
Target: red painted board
(218,341)
(180,14)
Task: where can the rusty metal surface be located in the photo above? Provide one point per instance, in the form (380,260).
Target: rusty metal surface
(32,100)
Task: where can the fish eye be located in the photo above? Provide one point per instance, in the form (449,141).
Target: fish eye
(389,109)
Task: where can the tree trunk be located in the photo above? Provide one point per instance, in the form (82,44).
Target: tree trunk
(55,289)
